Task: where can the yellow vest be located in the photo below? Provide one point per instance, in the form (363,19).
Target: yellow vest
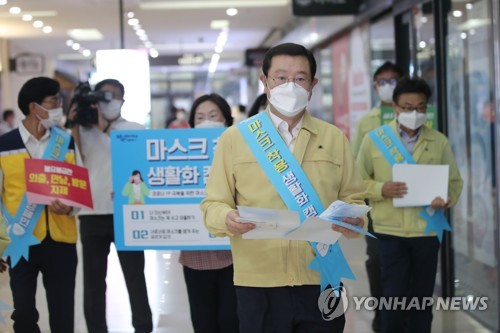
(62,228)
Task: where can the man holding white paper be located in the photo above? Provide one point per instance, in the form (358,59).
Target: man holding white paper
(408,254)
(276,290)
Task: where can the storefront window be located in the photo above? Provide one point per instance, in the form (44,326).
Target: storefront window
(470,128)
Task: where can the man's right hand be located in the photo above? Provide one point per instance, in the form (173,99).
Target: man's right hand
(235,227)
(394,190)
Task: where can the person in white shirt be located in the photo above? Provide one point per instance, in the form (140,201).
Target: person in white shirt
(53,225)
(96,226)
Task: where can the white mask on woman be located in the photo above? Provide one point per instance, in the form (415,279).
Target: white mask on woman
(54,119)
(112,109)
(210,124)
(412,120)
(289,99)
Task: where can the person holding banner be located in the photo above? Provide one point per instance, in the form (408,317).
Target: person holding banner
(96,226)
(209,274)
(43,237)
(385,79)
(275,288)
(408,249)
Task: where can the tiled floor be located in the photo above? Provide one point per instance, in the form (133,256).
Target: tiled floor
(167,296)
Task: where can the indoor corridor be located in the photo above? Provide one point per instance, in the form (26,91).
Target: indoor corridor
(168,297)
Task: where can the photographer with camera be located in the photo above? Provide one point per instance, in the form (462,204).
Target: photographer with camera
(93,115)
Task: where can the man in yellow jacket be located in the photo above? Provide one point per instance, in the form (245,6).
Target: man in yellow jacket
(50,227)
(408,256)
(385,79)
(275,289)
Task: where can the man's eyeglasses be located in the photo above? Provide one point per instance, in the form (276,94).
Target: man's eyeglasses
(301,81)
(54,100)
(408,108)
(383,82)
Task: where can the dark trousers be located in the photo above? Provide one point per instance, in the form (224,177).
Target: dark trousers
(97,233)
(373,265)
(283,310)
(57,263)
(212,300)
(408,267)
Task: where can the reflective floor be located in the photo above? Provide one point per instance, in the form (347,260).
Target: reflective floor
(168,298)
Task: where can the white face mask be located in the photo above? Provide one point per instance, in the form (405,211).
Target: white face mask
(385,92)
(289,99)
(55,117)
(112,109)
(210,124)
(412,120)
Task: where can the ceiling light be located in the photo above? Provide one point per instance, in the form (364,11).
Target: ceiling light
(133,21)
(213,63)
(15,10)
(219,24)
(27,17)
(463,35)
(313,36)
(219,49)
(137,27)
(148,44)
(203,4)
(38,24)
(69,42)
(424,19)
(140,32)
(153,53)
(422,44)
(469,6)
(130,14)
(232,11)
(86,53)
(3,2)
(143,37)
(75,46)
(85,34)
(47,29)
(457,13)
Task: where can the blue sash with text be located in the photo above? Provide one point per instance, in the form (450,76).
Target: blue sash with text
(21,226)
(293,186)
(395,152)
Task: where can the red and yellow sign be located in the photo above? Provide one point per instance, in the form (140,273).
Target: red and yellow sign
(48,180)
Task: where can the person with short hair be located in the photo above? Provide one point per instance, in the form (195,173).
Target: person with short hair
(275,289)
(8,123)
(53,226)
(408,257)
(96,225)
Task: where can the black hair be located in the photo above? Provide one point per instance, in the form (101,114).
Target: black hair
(289,49)
(259,102)
(217,100)
(112,82)
(414,85)
(389,66)
(7,113)
(35,90)
(137,172)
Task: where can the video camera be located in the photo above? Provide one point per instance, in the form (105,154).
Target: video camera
(85,98)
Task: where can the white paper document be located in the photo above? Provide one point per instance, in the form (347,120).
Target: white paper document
(269,223)
(314,229)
(319,229)
(424,183)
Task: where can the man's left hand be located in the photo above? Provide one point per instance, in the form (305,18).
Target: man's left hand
(347,232)
(59,208)
(439,203)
